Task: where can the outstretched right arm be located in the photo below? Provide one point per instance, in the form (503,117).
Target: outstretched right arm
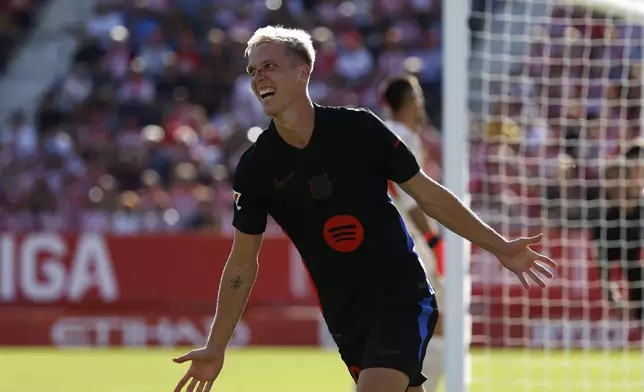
(234,289)
(250,217)
(236,281)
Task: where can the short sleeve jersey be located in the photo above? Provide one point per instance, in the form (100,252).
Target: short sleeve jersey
(331,199)
(412,140)
(405,202)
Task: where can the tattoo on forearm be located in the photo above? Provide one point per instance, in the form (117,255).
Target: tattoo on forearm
(236,283)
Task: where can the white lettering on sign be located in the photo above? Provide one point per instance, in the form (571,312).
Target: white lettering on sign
(25,273)
(136,332)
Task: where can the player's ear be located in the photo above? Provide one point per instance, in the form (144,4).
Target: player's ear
(305,72)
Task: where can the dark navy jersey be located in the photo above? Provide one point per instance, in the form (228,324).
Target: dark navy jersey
(331,199)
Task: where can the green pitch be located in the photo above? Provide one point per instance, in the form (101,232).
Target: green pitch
(296,370)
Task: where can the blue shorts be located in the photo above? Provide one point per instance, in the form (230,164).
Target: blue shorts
(396,338)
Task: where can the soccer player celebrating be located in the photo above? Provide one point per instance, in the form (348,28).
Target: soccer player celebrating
(312,171)
(404,98)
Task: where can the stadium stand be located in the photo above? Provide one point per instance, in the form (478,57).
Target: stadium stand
(142,133)
(556,116)
(16,20)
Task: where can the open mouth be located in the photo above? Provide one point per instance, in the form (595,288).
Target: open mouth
(266,92)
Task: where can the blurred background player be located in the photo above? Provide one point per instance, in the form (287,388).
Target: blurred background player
(617,232)
(404,98)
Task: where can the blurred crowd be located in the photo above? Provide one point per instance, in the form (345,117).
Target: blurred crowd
(17,17)
(563,113)
(144,132)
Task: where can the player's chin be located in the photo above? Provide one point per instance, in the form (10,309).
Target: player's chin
(270,109)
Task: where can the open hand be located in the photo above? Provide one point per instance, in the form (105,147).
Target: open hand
(204,368)
(519,258)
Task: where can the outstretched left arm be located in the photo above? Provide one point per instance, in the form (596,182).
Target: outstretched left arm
(399,165)
(439,203)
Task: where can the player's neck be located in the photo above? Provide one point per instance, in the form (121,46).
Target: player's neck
(295,125)
(407,121)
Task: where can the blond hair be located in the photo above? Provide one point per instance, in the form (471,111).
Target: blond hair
(297,41)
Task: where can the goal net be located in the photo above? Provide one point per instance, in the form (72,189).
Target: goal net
(555,96)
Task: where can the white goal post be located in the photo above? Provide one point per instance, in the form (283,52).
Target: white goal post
(455,177)
(564,337)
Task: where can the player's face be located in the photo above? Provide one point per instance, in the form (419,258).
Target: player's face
(418,105)
(276,77)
